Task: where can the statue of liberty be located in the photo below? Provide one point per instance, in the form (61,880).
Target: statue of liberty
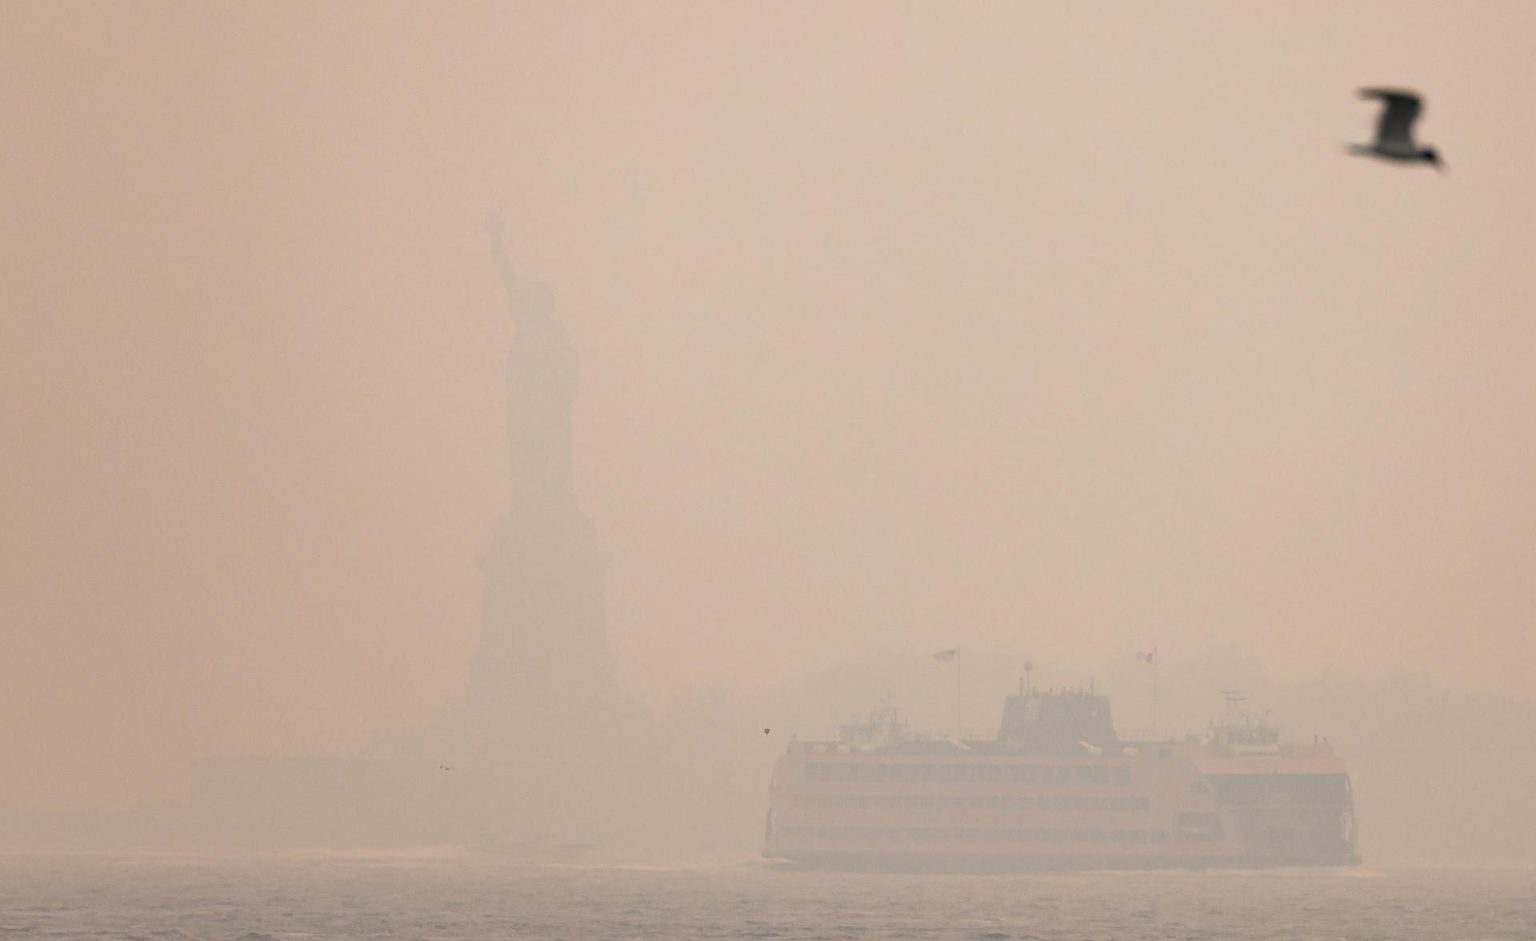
(543,662)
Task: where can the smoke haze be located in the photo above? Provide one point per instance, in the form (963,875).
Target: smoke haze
(1051,330)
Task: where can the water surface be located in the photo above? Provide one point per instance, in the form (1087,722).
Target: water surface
(449,897)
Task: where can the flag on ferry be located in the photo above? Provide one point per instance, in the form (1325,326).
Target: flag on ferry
(947,654)
(1147,656)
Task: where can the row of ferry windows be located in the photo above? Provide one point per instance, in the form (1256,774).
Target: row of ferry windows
(990,802)
(1009,774)
(1257,788)
(979,835)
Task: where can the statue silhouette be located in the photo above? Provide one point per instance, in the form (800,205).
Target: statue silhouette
(543,668)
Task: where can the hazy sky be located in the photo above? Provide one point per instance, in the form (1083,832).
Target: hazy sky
(1059,328)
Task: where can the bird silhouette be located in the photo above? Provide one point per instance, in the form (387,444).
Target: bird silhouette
(1394,132)
(766,731)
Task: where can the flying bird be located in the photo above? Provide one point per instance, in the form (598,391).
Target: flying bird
(1394,133)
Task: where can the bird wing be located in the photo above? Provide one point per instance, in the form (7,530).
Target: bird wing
(1401,110)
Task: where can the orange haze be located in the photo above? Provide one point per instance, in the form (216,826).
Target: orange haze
(1057,328)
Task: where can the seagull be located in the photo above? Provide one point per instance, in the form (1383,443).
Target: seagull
(1394,133)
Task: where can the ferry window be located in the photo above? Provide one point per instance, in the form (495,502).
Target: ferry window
(1121,775)
(989,773)
(1199,828)
(1028,774)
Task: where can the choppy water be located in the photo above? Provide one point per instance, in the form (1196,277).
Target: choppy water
(256,899)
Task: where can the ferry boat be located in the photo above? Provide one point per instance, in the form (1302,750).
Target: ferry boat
(1057,789)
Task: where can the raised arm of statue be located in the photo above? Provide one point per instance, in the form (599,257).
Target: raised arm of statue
(527,301)
(499,248)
